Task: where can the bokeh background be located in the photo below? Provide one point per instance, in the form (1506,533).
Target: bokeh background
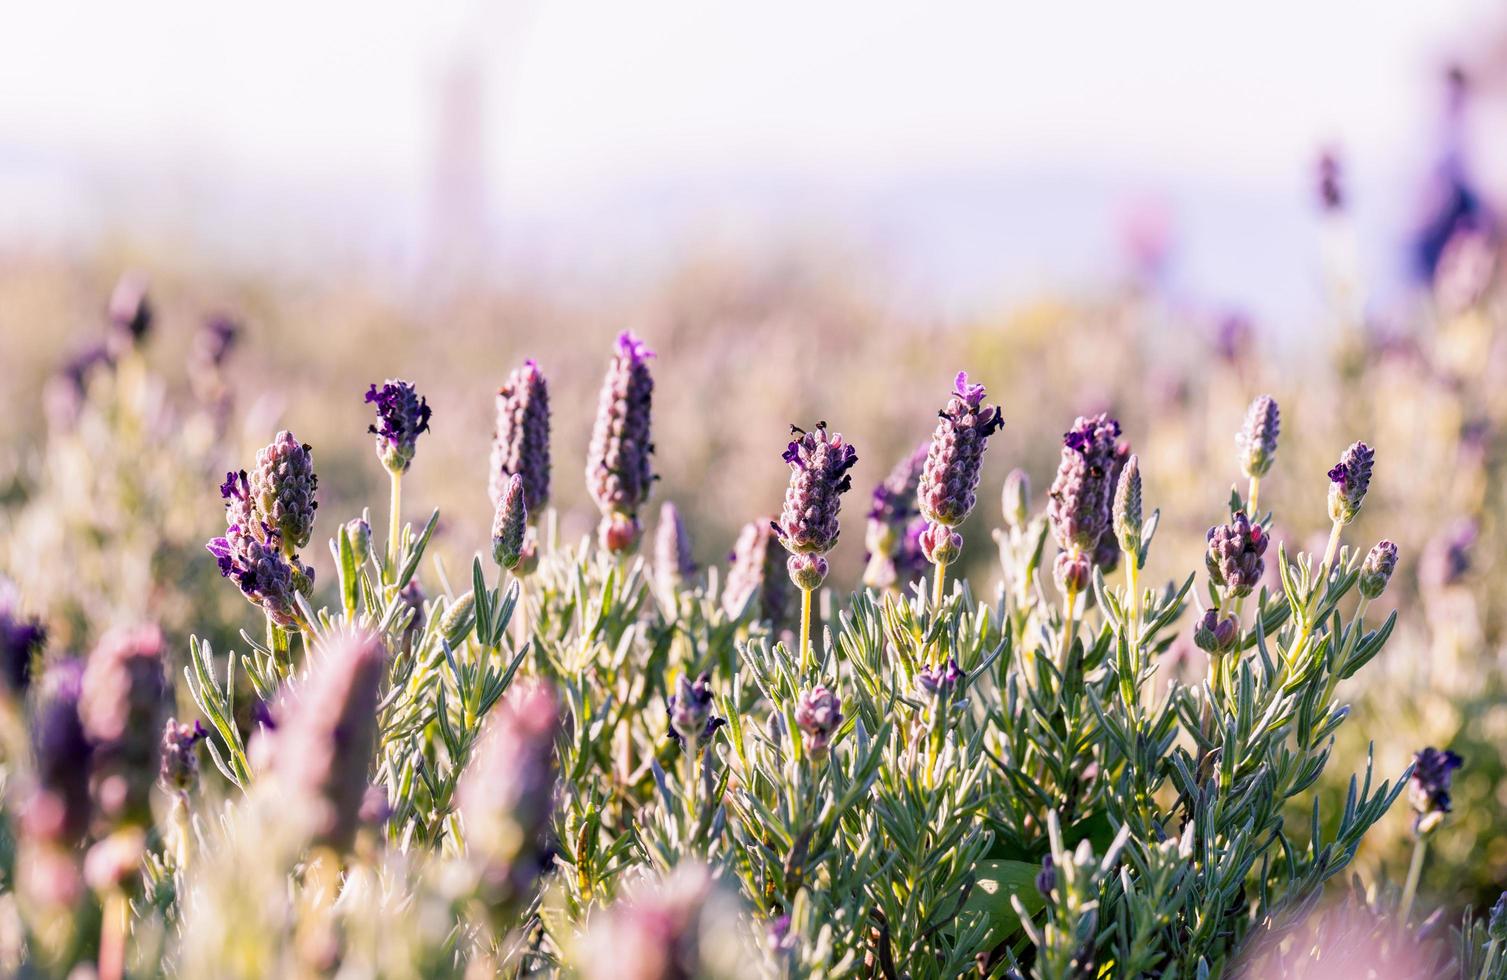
(810,212)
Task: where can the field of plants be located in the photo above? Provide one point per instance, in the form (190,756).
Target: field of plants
(773,636)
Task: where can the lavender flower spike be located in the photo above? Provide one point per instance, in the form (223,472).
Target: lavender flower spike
(672,550)
(282,487)
(1428,788)
(1256,444)
(1126,511)
(509,524)
(124,689)
(895,525)
(520,443)
(1235,555)
(618,470)
(402,416)
(21,637)
(756,568)
(1080,496)
(949,482)
(808,526)
(691,720)
(252,554)
(321,753)
(1376,571)
(58,810)
(818,715)
(1348,482)
(179,769)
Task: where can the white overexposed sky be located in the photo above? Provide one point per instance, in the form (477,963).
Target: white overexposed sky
(605,120)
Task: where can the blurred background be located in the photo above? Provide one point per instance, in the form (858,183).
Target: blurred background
(810,212)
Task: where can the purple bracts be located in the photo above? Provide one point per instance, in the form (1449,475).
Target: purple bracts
(520,443)
(949,482)
(619,473)
(402,416)
(1349,480)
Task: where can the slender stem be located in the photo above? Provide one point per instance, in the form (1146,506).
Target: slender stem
(394,522)
(1252,497)
(805,630)
(1068,629)
(1334,544)
(939,587)
(1410,890)
(183,828)
(112,935)
(1133,586)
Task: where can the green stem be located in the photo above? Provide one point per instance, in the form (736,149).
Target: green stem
(805,631)
(1410,890)
(939,587)
(1252,497)
(1067,630)
(1334,544)
(394,522)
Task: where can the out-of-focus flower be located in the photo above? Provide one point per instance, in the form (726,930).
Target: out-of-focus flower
(179,769)
(808,526)
(619,471)
(939,680)
(673,928)
(1046,878)
(672,550)
(283,486)
(57,810)
(1233,338)
(1235,555)
(949,480)
(1446,559)
(894,526)
(1331,191)
(1377,568)
(756,566)
(1349,479)
(402,416)
(818,714)
(520,443)
(691,720)
(1256,444)
(322,749)
(21,638)
(1428,787)
(129,313)
(216,337)
(1466,269)
(124,692)
(66,390)
(509,524)
(506,794)
(1015,499)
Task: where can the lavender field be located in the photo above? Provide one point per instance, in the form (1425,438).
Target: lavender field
(797,605)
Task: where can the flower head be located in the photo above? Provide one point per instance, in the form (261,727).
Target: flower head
(939,680)
(57,810)
(756,567)
(895,524)
(1214,635)
(1080,496)
(510,524)
(21,638)
(216,338)
(282,487)
(323,745)
(520,443)
(1125,513)
(179,769)
(819,463)
(1349,479)
(359,532)
(1446,559)
(124,691)
(1377,568)
(949,481)
(1234,555)
(129,313)
(1428,787)
(818,714)
(402,416)
(619,473)
(691,720)
(672,549)
(251,553)
(1256,443)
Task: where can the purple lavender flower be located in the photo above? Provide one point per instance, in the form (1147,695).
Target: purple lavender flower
(282,489)
(755,567)
(124,691)
(1377,568)
(510,524)
(1331,194)
(179,769)
(1081,492)
(129,313)
(1046,878)
(1232,338)
(940,544)
(506,795)
(1257,441)
(1446,559)
(819,463)
(57,810)
(21,638)
(1349,480)
(691,720)
(1073,571)
(892,512)
(1107,550)
(618,466)
(818,714)
(402,416)
(323,748)
(252,554)
(64,395)
(520,443)
(1428,788)
(1234,555)
(216,338)
(672,550)
(938,681)
(949,481)
(1214,635)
